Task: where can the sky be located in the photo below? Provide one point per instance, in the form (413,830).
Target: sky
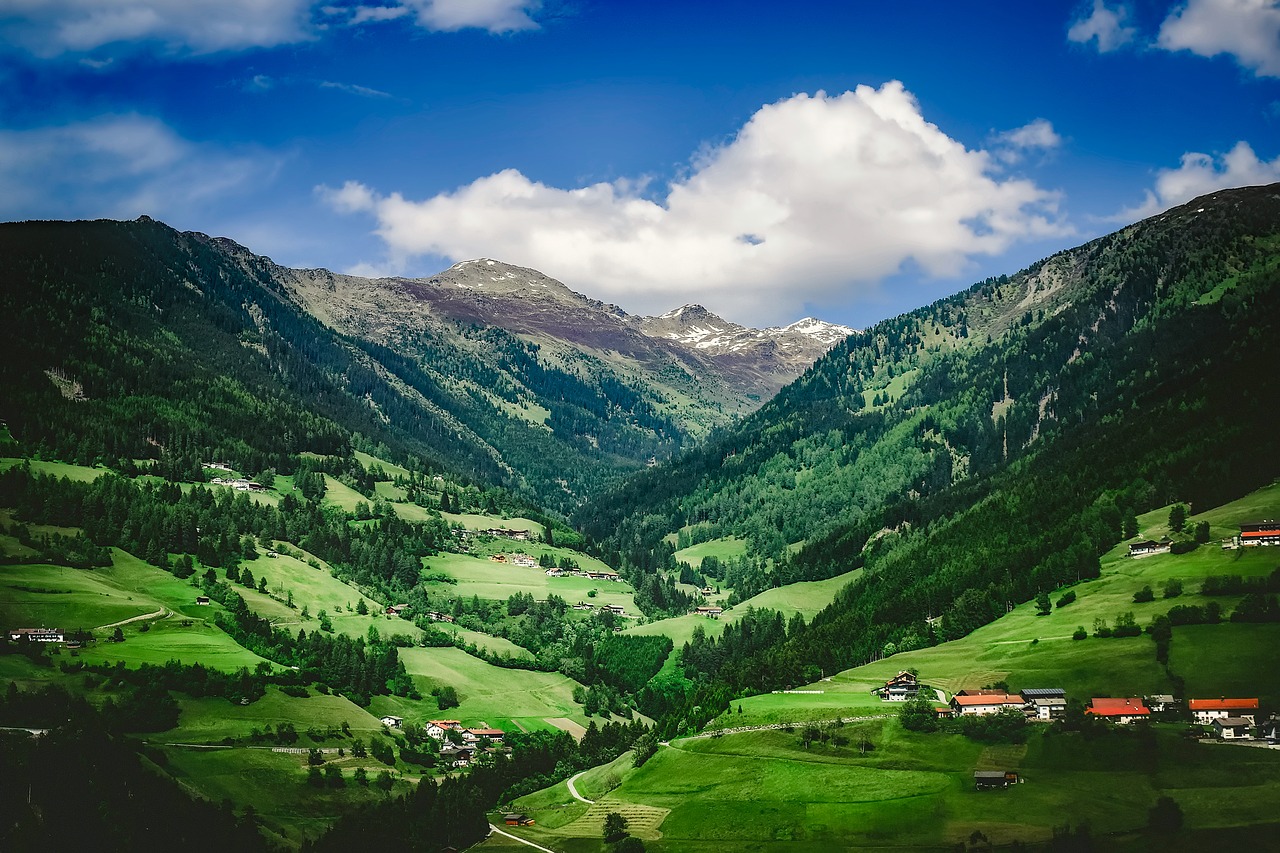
(846,160)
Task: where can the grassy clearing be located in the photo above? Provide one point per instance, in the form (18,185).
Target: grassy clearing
(343,497)
(487,693)
(391,468)
(209,720)
(59,597)
(471,521)
(79,473)
(485,578)
(168,640)
(723,549)
(275,785)
(496,645)
(806,598)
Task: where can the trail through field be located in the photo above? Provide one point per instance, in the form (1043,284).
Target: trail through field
(522,840)
(574,791)
(158,614)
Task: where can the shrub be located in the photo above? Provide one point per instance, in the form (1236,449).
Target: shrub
(1080,633)
(1144,595)
(1066,598)
(1172,588)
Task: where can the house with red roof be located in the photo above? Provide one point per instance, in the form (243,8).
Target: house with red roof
(1260,533)
(1122,711)
(986,703)
(1205,711)
(437,728)
(474,735)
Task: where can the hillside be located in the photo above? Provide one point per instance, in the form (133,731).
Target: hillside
(186,343)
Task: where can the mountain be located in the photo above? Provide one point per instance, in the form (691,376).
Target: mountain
(712,366)
(1140,356)
(180,343)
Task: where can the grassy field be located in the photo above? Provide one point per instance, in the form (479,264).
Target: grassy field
(471,521)
(765,791)
(79,473)
(485,578)
(343,497)
(505,698)
(496,645)
(275,785)
(209,720)
(724,549)
(1028,650)
(171,639)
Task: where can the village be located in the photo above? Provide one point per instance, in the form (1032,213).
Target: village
(1221,719)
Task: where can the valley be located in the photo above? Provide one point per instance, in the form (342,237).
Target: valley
(384,560)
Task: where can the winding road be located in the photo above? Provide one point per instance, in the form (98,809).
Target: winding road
(574,791)
(158,614)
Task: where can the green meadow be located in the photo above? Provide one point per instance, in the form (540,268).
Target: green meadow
(79,473)
(488,579)
(504,698)
(723,549)
(1028,650)
(208,720)
(766,791)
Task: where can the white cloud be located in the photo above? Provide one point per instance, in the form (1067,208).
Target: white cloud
(50,28)
(1105,25)
(1199,174)
(116,167)
(1248,30)
(1039,135)
(353,89)
(815,196)
(364,14)
(496,16)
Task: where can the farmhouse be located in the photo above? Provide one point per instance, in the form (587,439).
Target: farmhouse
(1162,702)
(900,688)
(523,560)
(1121,711)
(986,779)
(514,819)
(582,605)
(457,756)
(474,735)
(603,576)
(1205,711)
(35,635)
(202,600)
(439,617)
(1150,546)
(1233,728)
(968,706)
(517,535)
(1260,533)
(709,611)
(1047,709)
(393,722)
(615,608)
(437,728)
(397,609)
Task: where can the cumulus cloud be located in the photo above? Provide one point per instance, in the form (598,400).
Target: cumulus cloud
(116,167)
(1198,174)
(1105,26)
(1247,30)
(816,195)
(50,28)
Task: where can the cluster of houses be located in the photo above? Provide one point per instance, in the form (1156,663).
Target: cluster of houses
(1230,718)
(557,572)
(499,533)
(239,484)
(520,559)
(473,740)
(616,609)
(710,611)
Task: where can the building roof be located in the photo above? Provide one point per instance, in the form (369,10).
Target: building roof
(444,724)
(988,699)
(1223,704)
(1049,701)
(1107,707)
(1232,722)
(487,732)
(1043,693)
(988,774)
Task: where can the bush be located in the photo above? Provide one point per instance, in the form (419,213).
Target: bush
(1080,633)
(1183,546)
(1172,588)
(1144,595)
(1066,598)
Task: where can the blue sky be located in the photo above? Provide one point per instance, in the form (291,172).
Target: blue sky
(849,160)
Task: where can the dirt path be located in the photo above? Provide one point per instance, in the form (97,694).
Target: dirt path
(574,791)
(158,614)
(522,840)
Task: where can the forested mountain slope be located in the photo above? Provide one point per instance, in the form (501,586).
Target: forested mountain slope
(1131,372)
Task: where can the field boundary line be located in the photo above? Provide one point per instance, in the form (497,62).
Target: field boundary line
(158,614)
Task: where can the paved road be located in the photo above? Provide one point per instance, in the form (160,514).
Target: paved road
(522,840)
(574,791)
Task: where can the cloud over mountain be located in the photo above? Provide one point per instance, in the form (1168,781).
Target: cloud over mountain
(815,194)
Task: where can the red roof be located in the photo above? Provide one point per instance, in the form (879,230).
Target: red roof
(487,732)
(1250,533)
(1221,704)
(1118,707)
(989,699)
